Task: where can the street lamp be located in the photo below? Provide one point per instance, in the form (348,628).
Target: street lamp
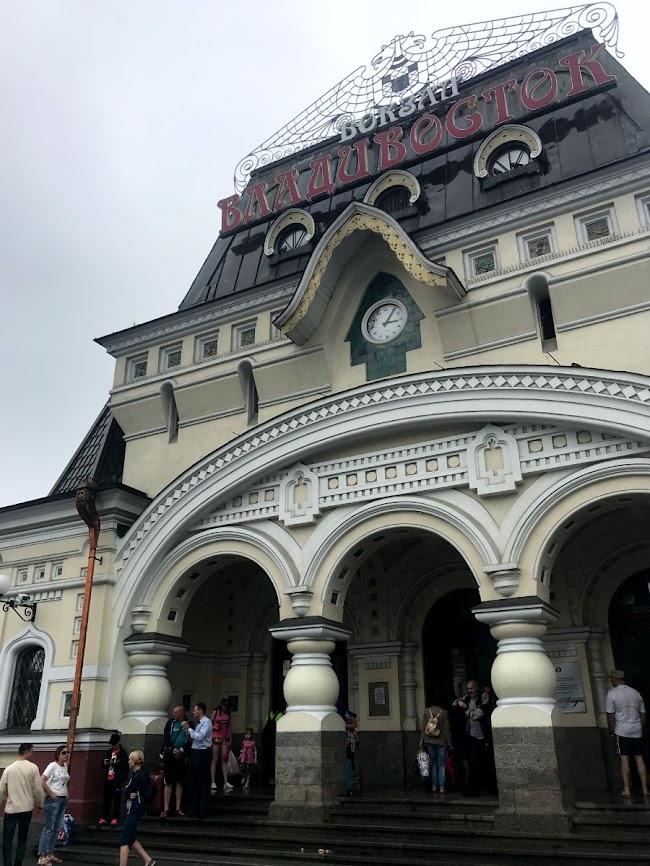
(20,603)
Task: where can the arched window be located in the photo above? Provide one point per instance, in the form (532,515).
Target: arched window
(249,390)
(508,158)
(26,687)
(171,410)
(292,238)
(394,199)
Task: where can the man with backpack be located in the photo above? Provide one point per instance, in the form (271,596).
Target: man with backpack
(139,792)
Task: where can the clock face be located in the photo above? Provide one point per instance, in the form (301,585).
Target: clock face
(384,321)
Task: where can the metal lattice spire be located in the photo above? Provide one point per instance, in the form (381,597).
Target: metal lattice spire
(408,63)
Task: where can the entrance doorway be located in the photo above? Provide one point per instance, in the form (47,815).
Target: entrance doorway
(629,629)
(456,647)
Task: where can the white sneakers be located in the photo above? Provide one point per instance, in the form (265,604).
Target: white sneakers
(227,786)
(213,788)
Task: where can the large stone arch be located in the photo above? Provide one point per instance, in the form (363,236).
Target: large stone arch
(266,544)
(344,532)
(614,402)
(538,521)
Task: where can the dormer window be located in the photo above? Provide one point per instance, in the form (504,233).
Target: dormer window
(393,200)
(508,153)
(508,158)
(292,238)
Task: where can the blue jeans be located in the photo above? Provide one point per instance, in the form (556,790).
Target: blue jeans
(437,758)
(54,812)
(10,822)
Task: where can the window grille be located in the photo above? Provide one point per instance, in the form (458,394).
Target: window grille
(394,199)
(26,687)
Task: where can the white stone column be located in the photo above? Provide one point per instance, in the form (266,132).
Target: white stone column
(256,690)
(523,676)
(310,741)
(530,749)
(147,695)
(409,686)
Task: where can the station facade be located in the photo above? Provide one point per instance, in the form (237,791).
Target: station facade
(397,435)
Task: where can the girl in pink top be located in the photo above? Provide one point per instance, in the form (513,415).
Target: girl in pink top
(247,757)
(220,744)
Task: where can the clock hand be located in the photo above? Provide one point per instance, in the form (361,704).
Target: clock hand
(390,319)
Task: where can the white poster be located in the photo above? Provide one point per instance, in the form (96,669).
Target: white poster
(380,695)
(569,694)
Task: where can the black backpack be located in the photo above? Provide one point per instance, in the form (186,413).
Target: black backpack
(148,792)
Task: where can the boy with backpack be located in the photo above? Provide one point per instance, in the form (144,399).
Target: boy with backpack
(139,792)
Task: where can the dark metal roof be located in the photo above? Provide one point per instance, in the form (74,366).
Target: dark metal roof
(579,136)
(100,456)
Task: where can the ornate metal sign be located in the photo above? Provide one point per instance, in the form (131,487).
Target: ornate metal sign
(408,65)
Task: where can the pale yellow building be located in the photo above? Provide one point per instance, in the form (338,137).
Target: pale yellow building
(401,418)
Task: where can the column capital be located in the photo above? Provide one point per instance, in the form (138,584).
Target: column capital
(309,628)
(154,643)
(527,609)
(505,577)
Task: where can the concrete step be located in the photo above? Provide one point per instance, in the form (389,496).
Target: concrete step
(291,843)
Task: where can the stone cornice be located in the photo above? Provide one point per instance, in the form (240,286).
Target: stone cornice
(203,316)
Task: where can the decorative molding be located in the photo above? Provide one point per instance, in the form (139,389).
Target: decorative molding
(298,497)
(298,321)
(396,177)
(612,400)
(293,216)
(450,462)
(487,347)
(493,462)
(211,315)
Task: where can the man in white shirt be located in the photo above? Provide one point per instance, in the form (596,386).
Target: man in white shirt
(21,787)
(626,720)
(200,758)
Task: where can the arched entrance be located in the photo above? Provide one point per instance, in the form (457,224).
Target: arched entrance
(456,647)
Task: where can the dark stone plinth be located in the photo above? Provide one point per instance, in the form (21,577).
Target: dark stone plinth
(534,775)
(309,775)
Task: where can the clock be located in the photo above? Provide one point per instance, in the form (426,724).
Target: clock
(384,321)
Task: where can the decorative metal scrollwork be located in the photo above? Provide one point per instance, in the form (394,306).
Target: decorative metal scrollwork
(28,608)
(409,63)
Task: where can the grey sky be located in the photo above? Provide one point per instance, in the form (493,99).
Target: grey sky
(123,121)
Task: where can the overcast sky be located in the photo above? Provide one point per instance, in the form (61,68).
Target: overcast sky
(122,122)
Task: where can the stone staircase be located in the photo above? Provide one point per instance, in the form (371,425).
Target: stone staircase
(378,831)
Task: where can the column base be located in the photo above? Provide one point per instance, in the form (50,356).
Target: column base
(534,778)
(309,775)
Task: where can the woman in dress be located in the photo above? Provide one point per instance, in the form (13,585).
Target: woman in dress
(134,792)
(55,780)
(220,744)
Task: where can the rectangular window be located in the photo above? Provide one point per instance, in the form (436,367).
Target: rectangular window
(481,261)
(596,226)
(136,367)
(244,335)
(74,649)
(22,576)
(207,347)
(80,601)
(66,709)
(643,206)
(540,242)
(57,570)
(39,573)
(170,357)
(76,626)
(84,571)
